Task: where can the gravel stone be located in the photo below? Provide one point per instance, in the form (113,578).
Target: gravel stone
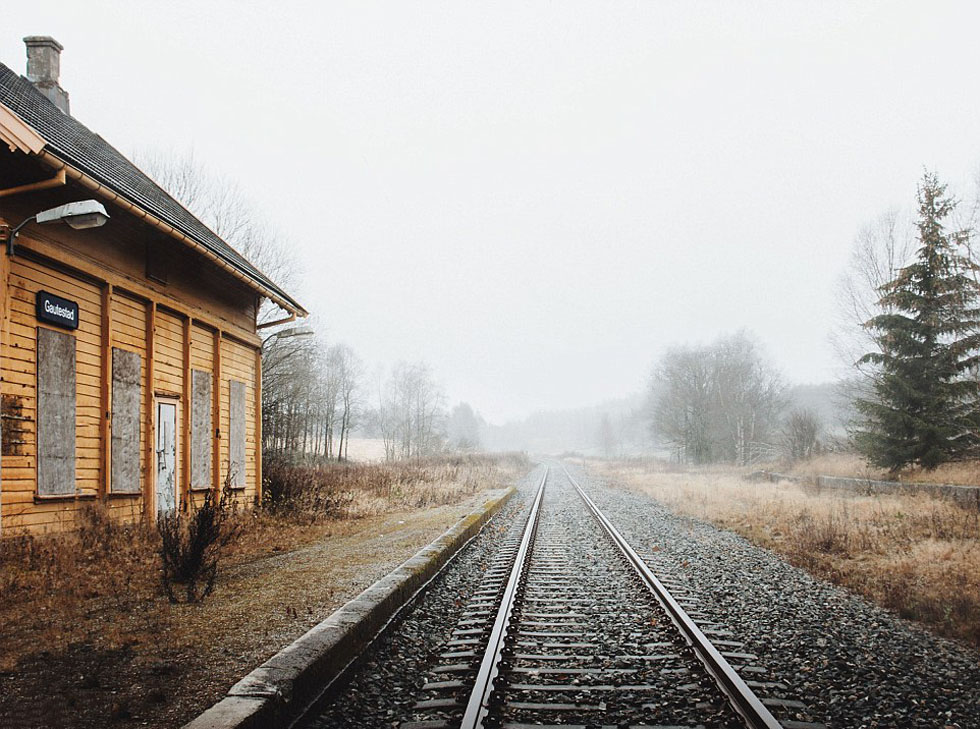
(816,654)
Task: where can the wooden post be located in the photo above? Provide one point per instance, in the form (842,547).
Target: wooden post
(216,408)
(185,439)
(150,482)
(258,426)
(105,426)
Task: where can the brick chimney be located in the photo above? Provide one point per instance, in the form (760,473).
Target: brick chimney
(44,67)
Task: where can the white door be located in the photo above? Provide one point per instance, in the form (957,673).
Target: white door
(166,457)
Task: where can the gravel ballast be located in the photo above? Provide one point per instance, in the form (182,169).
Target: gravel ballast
(842,661)
(383,686)
(852,663)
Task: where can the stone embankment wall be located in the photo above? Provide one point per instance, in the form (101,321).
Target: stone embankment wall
(964,495)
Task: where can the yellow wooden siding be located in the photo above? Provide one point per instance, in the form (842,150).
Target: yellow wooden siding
(238,363)
(128,316)
(19,371)
(168,354)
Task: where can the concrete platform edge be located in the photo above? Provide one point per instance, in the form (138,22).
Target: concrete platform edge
(270,695)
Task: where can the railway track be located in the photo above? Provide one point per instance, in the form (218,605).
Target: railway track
(572,629)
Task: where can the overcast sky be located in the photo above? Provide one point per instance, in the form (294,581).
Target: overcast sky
(538,197)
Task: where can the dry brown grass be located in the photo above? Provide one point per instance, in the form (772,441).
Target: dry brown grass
(53,587)
(849,465)
(914,553)
(349,490)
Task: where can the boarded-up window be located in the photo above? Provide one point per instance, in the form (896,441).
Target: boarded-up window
(126,367)
(55,413)
(201,430)
(236,434)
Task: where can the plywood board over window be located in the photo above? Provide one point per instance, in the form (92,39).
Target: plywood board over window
(236,434)
(56,413)
(202,431)
(126,397)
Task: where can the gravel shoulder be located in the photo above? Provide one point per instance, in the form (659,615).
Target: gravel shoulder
(381,689)
(180,659)
(852,663)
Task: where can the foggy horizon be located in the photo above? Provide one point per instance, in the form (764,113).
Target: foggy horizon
(538,200)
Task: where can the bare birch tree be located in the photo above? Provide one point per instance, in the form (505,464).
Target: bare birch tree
(881,248)
(720,402)
(411,412)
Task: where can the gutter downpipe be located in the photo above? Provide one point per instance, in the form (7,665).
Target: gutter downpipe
(57,181)
(277,322)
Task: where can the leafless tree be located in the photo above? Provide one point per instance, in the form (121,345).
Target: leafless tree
(682,403)
(346,370)
(463,428)
(289,393)
(411,412)
(222,205)
(749,398)
(880,250)
(800,434)
(719,402)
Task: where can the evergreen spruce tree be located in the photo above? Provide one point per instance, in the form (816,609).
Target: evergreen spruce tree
(923,409)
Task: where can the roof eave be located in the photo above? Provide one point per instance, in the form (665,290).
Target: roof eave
(103,190)
(17,134)
(20,136)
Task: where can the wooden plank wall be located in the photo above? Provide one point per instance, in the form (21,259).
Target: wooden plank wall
(19,368)
(126,318)
(238,363)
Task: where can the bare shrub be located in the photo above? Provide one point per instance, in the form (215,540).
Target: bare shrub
(800,433)
(191,546)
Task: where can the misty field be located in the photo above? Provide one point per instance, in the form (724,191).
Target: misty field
(916,554)
(85,619)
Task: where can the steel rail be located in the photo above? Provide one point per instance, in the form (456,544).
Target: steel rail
(478,705)
(739,695)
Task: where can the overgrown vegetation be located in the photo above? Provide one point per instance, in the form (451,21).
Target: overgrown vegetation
(192,544)
(913,553)
(852,465)
(86,618)
(52,586)
(344,490)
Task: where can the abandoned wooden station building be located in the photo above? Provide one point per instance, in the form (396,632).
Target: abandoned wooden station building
(130,356)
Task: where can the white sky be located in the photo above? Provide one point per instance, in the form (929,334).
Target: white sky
(537,197)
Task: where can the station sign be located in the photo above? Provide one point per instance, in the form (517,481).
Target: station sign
(56,310)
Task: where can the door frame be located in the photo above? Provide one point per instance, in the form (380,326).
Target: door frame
(159,400)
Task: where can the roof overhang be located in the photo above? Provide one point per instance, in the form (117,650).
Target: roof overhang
(19,136)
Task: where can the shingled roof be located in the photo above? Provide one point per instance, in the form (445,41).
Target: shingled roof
(75,144)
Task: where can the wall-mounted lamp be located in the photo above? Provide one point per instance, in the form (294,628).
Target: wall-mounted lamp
(79,215)
(288,334)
